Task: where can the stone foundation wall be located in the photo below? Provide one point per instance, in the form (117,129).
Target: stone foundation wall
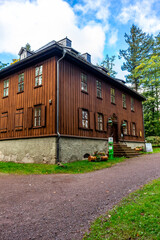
(43,150)
(35,150)
(134,144)
(73,149)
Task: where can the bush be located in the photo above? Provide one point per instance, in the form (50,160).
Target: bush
(155,140)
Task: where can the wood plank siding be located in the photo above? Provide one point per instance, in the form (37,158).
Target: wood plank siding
(72,99)
(27,100)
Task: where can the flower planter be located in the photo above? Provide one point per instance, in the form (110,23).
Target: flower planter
(91,158)
(104,158)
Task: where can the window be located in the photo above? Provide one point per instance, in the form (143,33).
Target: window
(37,116)
(38,76)
(84,82)
(6,88)
(125,129)
(112,95)
(132,104)
(124,100)
(99,89)
(3,122)
(21,82)
(19,119)
(100,122)
(133,129)
(85,119)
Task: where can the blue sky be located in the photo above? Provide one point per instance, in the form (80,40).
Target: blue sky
(94,26)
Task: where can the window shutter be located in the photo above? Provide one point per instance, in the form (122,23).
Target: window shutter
(131,129)
(29,117)
(18,122)
(80,117)
(96,120)
(136,129)
(105,123)
(91,120)
(43,115)
(4,121)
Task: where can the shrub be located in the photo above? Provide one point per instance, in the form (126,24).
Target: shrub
(155,140)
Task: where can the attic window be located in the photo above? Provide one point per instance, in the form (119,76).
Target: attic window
(38,75)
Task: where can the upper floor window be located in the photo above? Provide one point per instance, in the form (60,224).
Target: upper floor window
(83,82)
(37,116)
(133,129)
(100,122)
(112,95)
(124,100)
(6,88)
(132,104)
(85,119)
(99,89)
(38,75)
(21,82)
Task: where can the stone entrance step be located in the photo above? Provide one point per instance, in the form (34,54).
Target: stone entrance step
(121,150)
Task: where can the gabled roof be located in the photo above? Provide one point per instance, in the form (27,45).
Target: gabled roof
(54,48)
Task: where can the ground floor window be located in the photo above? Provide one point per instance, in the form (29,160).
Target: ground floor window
(85,119)
(37,116)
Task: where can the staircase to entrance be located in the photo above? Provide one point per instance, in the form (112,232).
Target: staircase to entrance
(121,150)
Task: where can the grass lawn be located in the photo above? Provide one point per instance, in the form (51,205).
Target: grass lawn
(136,217)
(74,167)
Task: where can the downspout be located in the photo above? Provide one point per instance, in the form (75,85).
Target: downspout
(58,134)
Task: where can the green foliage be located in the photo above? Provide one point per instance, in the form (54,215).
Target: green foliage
(136,217)
(3,65)
(28,47)
(72,168)
(148,73)
(140,45)
(108,64)
(155,140)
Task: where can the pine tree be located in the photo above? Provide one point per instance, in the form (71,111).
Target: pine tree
(108,64)
(140,46)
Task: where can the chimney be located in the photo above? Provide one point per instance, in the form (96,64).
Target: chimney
(65,42)
(87,57)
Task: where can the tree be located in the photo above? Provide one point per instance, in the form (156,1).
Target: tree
(3,65)
(28,47)
(140,45)
(108,63)
(148,73)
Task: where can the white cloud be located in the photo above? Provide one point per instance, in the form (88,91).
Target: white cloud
(42,21)
(143,14)
(114,37)
(99,9)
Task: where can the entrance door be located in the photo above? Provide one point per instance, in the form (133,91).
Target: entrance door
(115,132)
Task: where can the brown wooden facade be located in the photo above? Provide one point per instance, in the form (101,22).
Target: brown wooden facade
(17,109)
(72,99)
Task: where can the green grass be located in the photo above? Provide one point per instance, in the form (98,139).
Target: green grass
(136,217)
(156,149)
(73,168)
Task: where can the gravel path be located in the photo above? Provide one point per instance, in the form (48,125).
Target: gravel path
(61,207)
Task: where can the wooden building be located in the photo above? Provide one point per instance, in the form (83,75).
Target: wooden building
(56,98)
